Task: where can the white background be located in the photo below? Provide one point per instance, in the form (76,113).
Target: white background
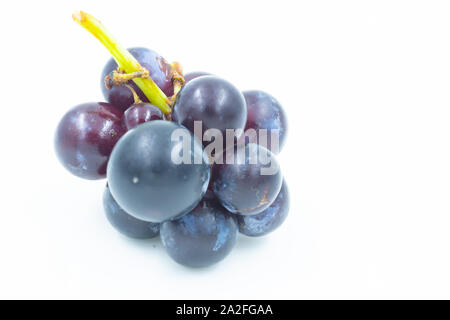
(366,87)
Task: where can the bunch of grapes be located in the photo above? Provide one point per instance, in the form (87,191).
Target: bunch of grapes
(162,177)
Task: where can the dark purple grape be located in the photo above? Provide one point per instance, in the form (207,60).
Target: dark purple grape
(214,101)
(248,180)
(86,136)
(202,237)
(264,112)
(270,219)
(160,72)
(192,75)
(144,179)
(140,113)
(125,223)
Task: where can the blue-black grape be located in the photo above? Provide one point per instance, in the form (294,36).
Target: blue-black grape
(160,72)
(86,136)
(248,180)
(195,74)
(202,237)
(140,113)
(125,223)
(212,100)
(265,112)
(145,181)
(270,219)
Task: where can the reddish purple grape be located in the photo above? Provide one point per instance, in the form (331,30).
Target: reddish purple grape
(140,113)
(270,219)
(86,136)
(159,70)
(264,112)
(192,75)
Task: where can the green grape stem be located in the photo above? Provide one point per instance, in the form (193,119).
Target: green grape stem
(124,59)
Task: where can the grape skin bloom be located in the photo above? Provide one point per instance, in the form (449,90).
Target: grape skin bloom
(124,222)
(202,237)
(268,220)
(145,181)
(241,186)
